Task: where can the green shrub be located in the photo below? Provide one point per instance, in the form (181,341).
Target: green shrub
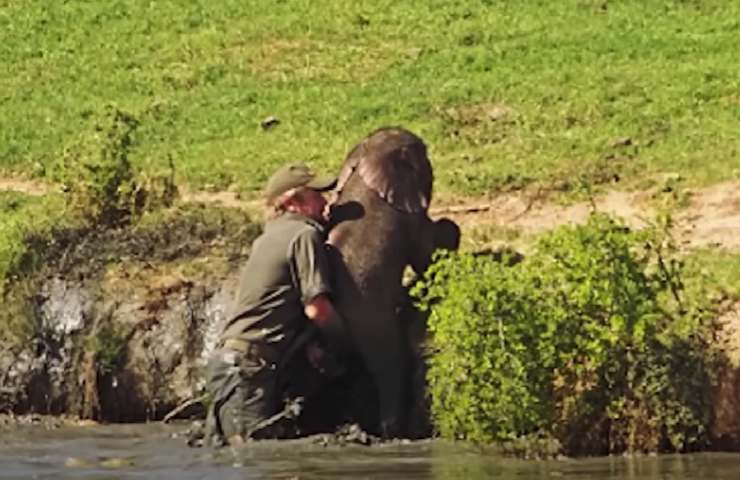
(98,176)
(589,340)
(107,342)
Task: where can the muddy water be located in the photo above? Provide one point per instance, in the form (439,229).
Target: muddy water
(154,452)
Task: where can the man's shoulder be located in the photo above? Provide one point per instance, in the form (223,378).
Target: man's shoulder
(294,226)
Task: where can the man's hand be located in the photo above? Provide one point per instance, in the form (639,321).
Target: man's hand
(315,355)
(325,362)
(321,312)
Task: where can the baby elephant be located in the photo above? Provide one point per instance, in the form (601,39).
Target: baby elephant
(380,225)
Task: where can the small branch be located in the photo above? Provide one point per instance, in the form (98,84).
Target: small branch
(484,207)
(179,409)
(669,278)
(461,209)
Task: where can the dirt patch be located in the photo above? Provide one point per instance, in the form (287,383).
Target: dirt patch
(225,199)
(29,187)
(712,218)
(528,212)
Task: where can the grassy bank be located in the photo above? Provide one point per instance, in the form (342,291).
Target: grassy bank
(504,93)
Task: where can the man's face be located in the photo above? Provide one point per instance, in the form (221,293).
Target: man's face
(311,204)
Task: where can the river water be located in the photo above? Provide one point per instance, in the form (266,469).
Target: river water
(155,451)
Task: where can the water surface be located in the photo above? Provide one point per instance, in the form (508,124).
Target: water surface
(154,451)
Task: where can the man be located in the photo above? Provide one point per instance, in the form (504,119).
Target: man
(282,298)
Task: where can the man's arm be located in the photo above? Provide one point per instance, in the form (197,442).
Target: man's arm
(322,313)
(311,273)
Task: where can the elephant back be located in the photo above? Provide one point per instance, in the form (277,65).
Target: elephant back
(392,162)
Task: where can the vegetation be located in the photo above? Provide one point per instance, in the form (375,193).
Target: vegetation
(722,267)
(99,178)
(107,344)
(582,341)
(23,217)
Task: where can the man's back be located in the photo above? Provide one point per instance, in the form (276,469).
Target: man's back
(284,269)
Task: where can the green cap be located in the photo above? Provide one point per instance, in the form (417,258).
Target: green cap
(293,176)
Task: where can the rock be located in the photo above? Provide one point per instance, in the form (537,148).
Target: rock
(126,340)
(348,434)
(498,112)
(621,142)
(269,123)
(76,462)
(117,463)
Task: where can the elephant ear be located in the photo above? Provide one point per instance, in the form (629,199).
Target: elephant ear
(442,234)
(393,162)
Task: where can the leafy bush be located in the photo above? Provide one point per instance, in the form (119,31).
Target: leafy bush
(589,341)
(98,175)
(107,344)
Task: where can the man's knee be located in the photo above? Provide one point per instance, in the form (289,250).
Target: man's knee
(241,398)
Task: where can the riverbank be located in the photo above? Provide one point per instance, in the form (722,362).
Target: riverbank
(114,322)
(125,316)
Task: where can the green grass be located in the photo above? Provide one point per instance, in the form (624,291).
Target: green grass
(722,269)
(562,80)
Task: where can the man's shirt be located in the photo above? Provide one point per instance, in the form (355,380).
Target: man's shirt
(287,267)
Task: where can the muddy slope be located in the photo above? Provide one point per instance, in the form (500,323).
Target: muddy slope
(124,317)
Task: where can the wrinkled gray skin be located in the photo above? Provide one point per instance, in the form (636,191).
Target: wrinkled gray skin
(379,226)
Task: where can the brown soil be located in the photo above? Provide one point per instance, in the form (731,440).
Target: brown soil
(711,219)
(731,335)
(532,213)
(226,199)
(726,428)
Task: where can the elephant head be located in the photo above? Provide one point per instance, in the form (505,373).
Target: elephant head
(393,164)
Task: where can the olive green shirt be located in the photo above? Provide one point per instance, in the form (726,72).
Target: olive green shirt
(287,268)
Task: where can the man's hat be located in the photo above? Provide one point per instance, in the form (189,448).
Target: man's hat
(293,176)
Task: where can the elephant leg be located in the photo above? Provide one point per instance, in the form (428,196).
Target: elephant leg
(386,360)
(414,326)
